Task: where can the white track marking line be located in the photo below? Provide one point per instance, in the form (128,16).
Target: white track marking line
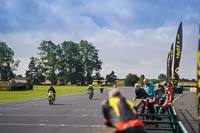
(23,108)
(40,115)
(9,108)
(49,125)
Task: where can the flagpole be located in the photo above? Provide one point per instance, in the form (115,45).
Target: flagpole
(198,79)
(171,61)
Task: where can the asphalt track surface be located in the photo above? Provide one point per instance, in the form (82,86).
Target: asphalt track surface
(69,114)
(186,108)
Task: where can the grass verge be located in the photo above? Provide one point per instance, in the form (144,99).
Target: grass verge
(41,92)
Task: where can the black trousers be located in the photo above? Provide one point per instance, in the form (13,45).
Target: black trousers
(54,96)
(151,110)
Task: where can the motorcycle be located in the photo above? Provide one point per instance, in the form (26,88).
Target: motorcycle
(51,97)
(101,89)
(90,94)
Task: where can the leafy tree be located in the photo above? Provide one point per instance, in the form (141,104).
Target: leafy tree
(162,77)
(131,79)
(7,64)
(49,58)
(89,58)
(111,78)
(79,73)
(69,62)
(35,75)
(61,65)
(74,71)
(155,81)
(70,65)
(98,77)
(186,80)
(20,77)
(193,80)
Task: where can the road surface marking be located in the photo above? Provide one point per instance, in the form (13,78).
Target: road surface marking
(85,115)
(49,125)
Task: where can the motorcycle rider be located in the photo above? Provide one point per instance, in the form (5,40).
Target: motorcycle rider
(53,90)
(101,88)
(90,89)
(120,113)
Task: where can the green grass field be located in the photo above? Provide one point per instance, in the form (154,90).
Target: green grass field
(41,92)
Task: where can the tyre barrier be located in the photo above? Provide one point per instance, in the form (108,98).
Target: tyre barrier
(4,87)
(21,87)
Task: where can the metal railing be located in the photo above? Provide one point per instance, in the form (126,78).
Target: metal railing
(169,121)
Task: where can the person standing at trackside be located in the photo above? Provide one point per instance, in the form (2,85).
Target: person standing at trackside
(169,97)
(149,88)
(53,90)
(120,113)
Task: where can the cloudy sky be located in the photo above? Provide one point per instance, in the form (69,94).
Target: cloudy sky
(132,36)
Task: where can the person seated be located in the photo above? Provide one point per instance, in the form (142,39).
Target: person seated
(120,113)
(53,90)
(140,92)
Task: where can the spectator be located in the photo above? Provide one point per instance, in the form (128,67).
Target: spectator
(140,92)
(149,88)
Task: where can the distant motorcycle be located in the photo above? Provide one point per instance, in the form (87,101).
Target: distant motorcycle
(101,89)
(90,94)
(51,97)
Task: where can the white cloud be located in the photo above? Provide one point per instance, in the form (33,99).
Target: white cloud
(142,51)
(23,65)
(109,25)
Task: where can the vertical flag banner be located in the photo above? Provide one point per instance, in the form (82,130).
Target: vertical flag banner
(177,54)
(198,77)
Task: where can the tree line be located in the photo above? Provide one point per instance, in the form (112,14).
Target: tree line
(68,62)
(7,63)
(131,79)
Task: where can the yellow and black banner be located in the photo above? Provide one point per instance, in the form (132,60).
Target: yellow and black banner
(198,77)
(169,63)
(177,54)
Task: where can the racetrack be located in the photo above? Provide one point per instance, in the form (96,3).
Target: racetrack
(70,114)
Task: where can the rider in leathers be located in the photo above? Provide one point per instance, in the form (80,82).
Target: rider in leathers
(120,113)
